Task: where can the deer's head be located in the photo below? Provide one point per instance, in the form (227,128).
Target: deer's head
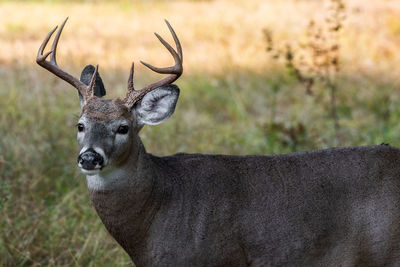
(108,128)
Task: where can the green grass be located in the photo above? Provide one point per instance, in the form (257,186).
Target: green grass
(47,218)
(46,215)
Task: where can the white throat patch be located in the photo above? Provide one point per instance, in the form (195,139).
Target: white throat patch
(107,180)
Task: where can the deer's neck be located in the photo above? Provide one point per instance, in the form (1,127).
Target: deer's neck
(128,175)
(127,199)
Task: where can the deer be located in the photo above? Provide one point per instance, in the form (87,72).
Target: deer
(331,207)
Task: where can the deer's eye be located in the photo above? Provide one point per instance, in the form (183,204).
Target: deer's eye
(80,127)
(123,129)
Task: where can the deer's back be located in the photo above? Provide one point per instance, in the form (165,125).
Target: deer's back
(327,207)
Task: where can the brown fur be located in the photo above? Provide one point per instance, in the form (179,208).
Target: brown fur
(106,109)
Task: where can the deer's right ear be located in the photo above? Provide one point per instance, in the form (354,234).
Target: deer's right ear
(86,76)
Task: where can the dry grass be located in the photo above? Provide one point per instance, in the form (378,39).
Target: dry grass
(231,89)
(215,34)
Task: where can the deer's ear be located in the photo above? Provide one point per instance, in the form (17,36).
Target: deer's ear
(157,105)
(86,76)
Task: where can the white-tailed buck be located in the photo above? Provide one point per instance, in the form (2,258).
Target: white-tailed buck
(334,207)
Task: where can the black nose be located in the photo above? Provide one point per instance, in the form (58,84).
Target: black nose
(90,159)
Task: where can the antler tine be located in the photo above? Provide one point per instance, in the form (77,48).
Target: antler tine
(177,43)
(40,56)
(130,79)
(55,43)
(173,53)
(51,65)
(90,87)
(178,57)
(174,72)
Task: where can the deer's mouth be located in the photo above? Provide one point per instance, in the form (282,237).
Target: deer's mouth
(91,171)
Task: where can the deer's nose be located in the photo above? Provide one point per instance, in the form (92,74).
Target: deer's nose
(90,160)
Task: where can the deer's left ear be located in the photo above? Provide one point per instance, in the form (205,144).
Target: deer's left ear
(157,105)
(86,76)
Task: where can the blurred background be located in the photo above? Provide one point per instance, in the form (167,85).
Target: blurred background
(260,77)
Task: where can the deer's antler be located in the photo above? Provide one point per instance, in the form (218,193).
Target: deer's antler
(133,96)
(85,90)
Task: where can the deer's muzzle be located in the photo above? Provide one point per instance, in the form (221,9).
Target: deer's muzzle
(90,160)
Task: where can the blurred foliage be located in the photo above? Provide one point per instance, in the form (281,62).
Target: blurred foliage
(234,100)
(317,59)
(393,23)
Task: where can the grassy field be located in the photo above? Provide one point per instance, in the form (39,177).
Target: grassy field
(235,98)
